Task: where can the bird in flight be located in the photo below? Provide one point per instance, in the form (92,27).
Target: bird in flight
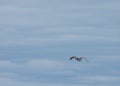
(77,58)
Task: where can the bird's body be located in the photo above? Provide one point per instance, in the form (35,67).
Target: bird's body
(77,58)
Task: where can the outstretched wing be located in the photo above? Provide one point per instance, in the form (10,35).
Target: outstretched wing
(71,58)
(84,58)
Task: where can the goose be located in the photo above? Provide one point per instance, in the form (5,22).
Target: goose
(77,58)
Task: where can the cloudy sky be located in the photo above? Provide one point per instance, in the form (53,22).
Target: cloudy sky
(37,37)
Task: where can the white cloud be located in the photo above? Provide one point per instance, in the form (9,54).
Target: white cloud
(10,82)
(51,36)
(40,65)
(8,64)
(84,81)
(13,75)
(103,80)
(64,20)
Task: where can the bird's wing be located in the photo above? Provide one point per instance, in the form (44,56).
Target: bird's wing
(71,58)
(84,58)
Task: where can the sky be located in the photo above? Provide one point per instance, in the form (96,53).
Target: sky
(37,38)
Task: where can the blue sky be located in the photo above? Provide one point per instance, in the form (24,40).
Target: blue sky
(37,37)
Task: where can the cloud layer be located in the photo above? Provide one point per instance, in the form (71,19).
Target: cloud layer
(38,37)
